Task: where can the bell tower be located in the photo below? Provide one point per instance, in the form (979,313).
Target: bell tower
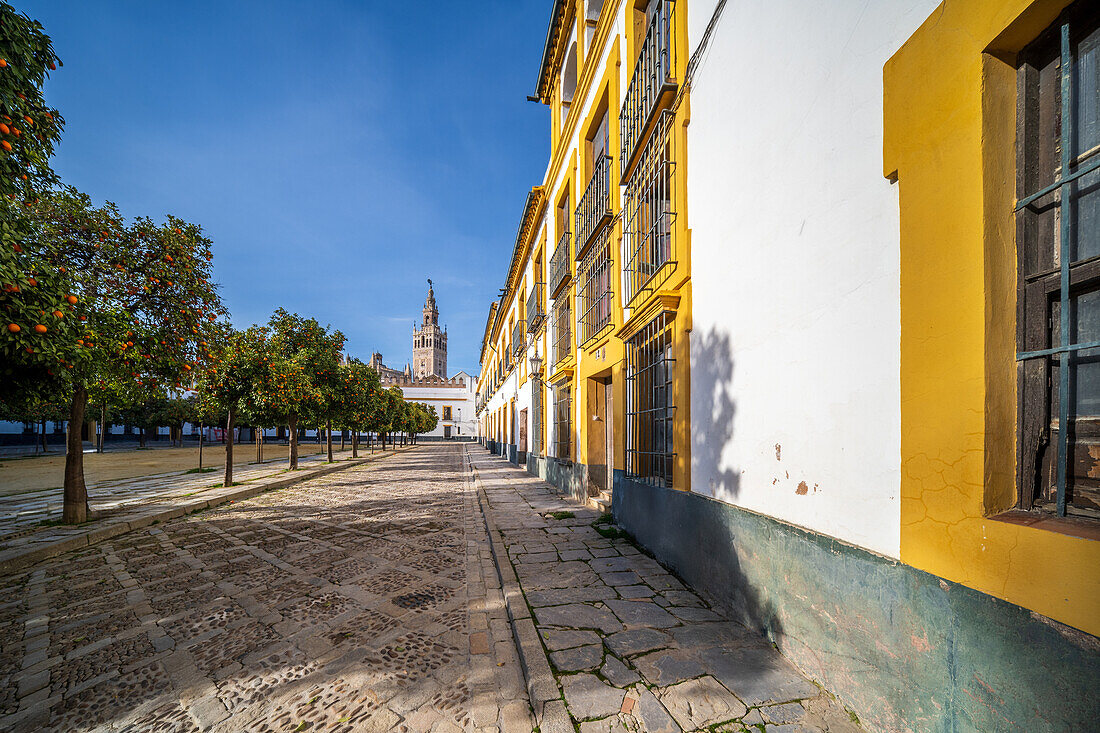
(429,342)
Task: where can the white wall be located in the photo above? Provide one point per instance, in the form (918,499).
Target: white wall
(461,400)
(795,264)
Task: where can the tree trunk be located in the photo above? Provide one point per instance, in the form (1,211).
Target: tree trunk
(42,437)
(102,426)
(293,443)
(201,428)
(328,438)
(141,437)
(229,448)
(75,509)
(260,446)
(355,444)
(343,435)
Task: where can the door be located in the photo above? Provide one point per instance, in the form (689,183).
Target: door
(523,430)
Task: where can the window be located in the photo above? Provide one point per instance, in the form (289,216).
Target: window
(1058,249)
(594,292)
(563,335)
(446,412)
(649,409)
(647,212)
(563,423)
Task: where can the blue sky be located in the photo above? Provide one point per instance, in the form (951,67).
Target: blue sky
(337,152)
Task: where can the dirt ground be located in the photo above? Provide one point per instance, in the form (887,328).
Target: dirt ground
(18,475)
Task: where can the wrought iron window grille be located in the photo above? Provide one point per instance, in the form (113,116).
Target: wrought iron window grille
(595,294)
(1059,277)
(563,421)
(536,309)
(562,323)
(651,84)
(649,409)
(594,208)
(648,216)
(559,264)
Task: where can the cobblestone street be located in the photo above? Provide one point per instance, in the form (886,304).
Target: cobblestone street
(630,647)
(370,600)
(364,600)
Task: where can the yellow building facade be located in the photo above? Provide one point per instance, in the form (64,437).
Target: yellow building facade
(771,307)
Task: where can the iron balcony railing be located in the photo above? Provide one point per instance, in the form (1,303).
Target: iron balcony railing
(563,333)
(648,215)
(536,311)
(651,84)
(594,208)
(594,292)
(559,265)
(519,337)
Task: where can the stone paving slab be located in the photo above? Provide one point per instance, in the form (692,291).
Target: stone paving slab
(364,600)
(628,646)
(21,551)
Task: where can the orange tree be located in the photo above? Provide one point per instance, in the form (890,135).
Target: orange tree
(359,399)
(92,303)
(392,413)
(423,419)
(311,353)
(29,129)
(235,380)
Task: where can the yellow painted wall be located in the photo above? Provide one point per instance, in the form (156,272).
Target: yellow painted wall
(949,124)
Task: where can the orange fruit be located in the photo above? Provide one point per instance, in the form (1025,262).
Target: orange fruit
(5,129)
(28,119)
(5,145)
(70,298)
(58,314)
(39,328)
(3,63)
(14,327)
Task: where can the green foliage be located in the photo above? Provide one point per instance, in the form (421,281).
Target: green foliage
(119,310)
(308,359)
(28,128)
(358,396)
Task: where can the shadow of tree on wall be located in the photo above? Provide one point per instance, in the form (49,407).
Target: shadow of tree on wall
(712,414)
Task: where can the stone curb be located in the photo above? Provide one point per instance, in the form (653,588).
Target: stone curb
(12,561)
(542,689)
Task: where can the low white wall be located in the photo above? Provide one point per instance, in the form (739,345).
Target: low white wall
(795,265)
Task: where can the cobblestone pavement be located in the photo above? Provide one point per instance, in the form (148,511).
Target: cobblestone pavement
(364,600)
(631,647)
(21,514)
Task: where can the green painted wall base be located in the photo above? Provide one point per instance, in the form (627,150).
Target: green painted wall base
(906,650)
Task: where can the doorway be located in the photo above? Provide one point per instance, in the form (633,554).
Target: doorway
(601,436)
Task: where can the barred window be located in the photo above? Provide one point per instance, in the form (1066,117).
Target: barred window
(563,420)
(563,333)
(536,416)
(595,296)
(649,408)
(1058,249)
(647,212)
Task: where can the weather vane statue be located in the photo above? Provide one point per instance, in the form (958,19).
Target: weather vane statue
(429,283)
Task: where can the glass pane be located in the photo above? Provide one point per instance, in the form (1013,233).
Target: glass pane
(1088,93)
(1085,366)
(1086,216)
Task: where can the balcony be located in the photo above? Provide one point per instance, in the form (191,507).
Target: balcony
(563,329)
(648,244)
(536,311)
(651,85)
(594,209)
(594,293)
(559,265)
(519,338)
